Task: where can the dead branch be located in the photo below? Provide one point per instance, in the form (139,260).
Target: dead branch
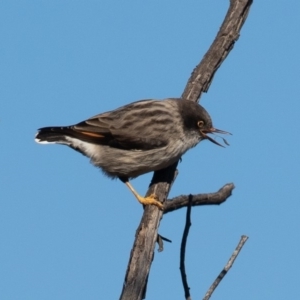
(146,235)
(228,34)
(229,264)
(201,199)
(186,230)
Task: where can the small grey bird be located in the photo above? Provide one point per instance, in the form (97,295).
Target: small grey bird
(137,138)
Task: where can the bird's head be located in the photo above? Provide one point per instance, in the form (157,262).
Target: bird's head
(197,120)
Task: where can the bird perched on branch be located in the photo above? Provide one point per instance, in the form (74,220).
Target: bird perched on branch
(137,138)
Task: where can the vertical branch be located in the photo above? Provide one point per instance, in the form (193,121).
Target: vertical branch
(183,247)
(141,255)
(146,236)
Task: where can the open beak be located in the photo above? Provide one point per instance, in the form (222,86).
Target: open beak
(214,130)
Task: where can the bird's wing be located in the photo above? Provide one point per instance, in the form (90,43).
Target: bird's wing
(139,126)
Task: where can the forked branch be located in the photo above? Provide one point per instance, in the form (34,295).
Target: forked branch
(142,252)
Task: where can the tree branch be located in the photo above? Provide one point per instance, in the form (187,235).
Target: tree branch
(201,199)
(228,34)
(146,235)
(186,230)
(229,264)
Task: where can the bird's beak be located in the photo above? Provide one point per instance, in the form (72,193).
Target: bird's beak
(214,130)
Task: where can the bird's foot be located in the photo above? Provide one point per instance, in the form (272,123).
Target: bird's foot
(151,200)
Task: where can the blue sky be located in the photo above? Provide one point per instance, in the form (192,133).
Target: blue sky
(66,230)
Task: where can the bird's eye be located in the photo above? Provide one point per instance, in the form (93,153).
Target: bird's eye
(200,124)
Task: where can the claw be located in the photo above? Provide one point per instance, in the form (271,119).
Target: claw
(150,200)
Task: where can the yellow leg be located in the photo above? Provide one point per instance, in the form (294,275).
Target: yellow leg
(152,199)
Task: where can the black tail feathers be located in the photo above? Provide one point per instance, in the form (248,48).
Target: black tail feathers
(53,135)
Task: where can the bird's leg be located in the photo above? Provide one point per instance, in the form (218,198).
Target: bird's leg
(152,199)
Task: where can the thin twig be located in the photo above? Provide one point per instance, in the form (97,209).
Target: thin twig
(229,264)
(160,242)
(183,247)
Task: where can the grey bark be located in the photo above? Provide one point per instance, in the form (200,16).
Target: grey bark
(141,255)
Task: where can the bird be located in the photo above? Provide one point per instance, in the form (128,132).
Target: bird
(140,137)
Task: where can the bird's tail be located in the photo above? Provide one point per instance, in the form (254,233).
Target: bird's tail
(56,135)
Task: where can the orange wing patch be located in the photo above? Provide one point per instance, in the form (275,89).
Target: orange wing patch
(97,135)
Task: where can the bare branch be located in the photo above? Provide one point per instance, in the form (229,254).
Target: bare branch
(229,264)
(146,235)
(141,255)
(183,247)
(228,34)
(201,199)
